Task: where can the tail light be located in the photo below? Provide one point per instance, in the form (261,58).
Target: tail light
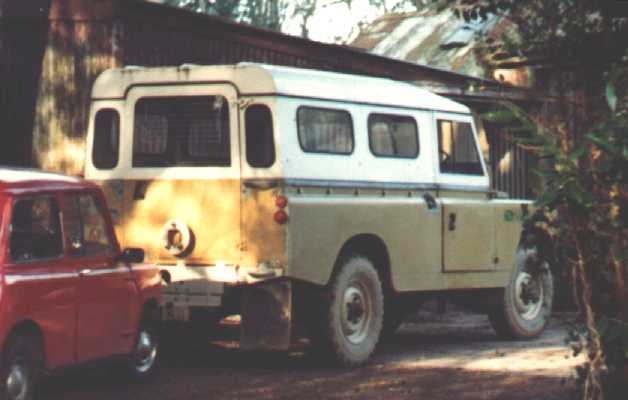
(281,216)
(281,202)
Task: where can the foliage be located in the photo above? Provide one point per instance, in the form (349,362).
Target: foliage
(579,49)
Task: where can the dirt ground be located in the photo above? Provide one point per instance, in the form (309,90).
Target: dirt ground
(433,356)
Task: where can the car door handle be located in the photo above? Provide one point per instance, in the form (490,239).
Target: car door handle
(452,221)
(85,272)
(430,201)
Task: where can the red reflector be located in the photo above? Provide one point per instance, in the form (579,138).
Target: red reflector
(281,217)
(281,202)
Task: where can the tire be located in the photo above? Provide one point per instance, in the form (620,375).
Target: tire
(144,357)
(353,313)
(527,303)
(21,367)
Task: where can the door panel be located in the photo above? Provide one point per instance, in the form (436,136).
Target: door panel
(182,156)
(105,291)
(39,285)
(468,235)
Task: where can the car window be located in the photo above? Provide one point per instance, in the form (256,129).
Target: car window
(323,130)
(458,153)
(35,229)
(260,145)
(85,226)
(393,136)
(106,139)
(181,131)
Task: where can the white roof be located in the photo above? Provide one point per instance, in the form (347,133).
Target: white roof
(23,175)
(257,79)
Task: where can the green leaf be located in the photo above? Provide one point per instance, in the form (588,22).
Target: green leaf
(548,197)
(604,144)
(611,97)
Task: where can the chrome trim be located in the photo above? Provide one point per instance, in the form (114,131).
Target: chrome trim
(11,279)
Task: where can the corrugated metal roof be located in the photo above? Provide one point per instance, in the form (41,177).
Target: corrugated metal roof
(437,39)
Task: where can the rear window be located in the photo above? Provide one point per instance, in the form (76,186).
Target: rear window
(106,139)
(458,153)
(393,136)
(181,131)
(260,144)
(35,229)
(324,130)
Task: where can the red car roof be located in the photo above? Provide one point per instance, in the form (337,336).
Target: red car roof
(20,180)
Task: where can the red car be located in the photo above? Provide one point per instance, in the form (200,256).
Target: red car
(68,294)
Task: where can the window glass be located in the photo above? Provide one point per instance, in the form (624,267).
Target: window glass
(181,131)
(85,226)
(324,130)
(106,139)
(260,145)
(393,136)
(35,229)
(458,153)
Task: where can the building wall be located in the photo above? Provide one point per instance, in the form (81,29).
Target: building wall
(52,50)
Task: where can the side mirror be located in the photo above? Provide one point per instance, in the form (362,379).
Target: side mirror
(131,255)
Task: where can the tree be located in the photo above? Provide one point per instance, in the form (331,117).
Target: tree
(581,46)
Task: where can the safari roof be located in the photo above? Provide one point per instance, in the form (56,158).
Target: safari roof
(260,79)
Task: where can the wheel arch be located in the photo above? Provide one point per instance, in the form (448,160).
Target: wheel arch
(372,247)
(26,326)
(150,310)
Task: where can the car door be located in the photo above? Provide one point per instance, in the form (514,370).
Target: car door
(467,214)
(39,285)
(105,290)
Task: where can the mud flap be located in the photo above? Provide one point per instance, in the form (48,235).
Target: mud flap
(266,316)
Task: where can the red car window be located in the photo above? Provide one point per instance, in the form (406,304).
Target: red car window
(87,232)
(35,229)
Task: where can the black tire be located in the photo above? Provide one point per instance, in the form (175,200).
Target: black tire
(144,358)
(22,364)
(527,302)
(353,314)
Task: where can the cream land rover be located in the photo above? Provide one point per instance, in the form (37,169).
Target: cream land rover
(284,194)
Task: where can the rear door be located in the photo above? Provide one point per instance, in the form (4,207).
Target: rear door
(181,162)
(468,228)
(106,292)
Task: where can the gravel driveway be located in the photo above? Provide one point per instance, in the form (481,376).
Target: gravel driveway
(433,356)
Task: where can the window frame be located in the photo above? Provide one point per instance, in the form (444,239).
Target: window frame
(352,125)
(416,131)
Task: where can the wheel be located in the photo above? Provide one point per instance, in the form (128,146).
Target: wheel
(21,366)
(353,315)
(145,354)
(527,301)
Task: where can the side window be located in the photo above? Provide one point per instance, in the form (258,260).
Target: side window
(393,136)
(35,229)
(181,131)
(458,153)
(85,226)
(106,139)
(323,130)
(260,144)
